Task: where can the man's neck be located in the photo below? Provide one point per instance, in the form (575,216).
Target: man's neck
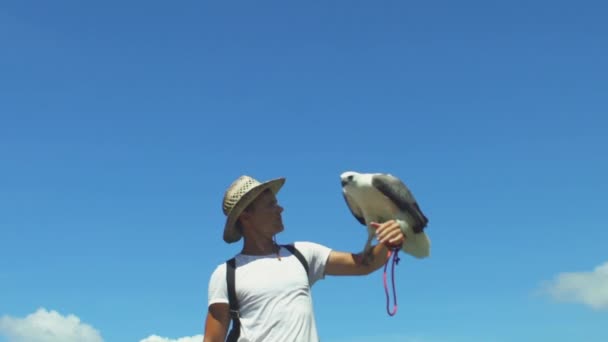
(262,246)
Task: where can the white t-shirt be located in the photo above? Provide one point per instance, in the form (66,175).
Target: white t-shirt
(275,302)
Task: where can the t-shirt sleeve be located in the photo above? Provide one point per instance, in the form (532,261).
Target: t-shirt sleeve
(317,256)
(218,291)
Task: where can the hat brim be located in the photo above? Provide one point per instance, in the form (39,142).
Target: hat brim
(231,233)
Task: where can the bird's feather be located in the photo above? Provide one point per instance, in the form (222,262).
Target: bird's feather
(354,210)
(393,188)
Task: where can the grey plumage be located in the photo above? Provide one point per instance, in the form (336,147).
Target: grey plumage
(379,197)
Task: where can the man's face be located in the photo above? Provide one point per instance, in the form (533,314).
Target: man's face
(265,215)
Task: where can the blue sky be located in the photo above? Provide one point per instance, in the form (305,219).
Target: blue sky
(122,123)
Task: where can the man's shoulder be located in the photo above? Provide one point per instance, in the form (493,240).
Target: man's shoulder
(305,244)
(312,250)
(218,275)
(220,268)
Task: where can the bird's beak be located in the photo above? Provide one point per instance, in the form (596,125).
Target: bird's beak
(344,182)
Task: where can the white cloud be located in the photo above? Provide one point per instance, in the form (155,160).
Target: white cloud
(589,288)
(51,326)
(155,338)
(47,326)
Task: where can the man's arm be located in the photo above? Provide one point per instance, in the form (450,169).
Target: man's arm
(344,263)
(216,325)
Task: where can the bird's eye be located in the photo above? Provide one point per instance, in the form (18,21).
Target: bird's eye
(350,178)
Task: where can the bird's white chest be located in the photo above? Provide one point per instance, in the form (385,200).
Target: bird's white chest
(374,205)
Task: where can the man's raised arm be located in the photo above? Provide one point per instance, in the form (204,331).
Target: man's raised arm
(344,263)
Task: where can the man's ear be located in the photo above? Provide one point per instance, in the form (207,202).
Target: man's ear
(244,217)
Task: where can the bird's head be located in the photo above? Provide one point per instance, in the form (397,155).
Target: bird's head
(348,177)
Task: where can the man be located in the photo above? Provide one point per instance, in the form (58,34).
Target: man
(271,285)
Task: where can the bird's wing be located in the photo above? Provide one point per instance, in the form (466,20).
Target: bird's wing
(393,188)
(354,209)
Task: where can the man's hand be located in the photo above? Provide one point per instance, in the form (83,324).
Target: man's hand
(389,233)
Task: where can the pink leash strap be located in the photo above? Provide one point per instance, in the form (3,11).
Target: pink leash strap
(395,261)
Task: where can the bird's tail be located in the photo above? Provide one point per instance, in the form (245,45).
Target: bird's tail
(416,244)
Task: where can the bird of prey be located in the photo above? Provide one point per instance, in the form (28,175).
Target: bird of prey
(380,197)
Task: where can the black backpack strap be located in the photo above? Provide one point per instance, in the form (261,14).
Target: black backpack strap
(233,336)
(298,255)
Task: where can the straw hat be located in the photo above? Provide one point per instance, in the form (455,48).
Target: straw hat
(238,196)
